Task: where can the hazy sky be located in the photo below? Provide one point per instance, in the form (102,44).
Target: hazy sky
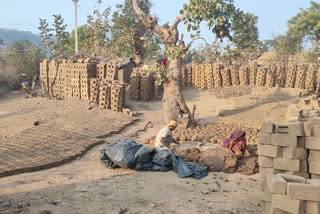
(24,14)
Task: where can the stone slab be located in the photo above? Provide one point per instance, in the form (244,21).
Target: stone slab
(289,205)
(294,153)
(264,161)
(313,143)
(304,192)
(276,184)
(284,140)
(269,150)
(314,167)
(286,164)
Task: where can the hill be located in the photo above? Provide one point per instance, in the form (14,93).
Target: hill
(11,35)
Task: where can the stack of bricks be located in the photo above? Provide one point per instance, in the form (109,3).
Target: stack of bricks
(244,75)
(301,76)
(289,194)
(83,79)
(271,76)
(287,156)
(117,96)
(261,76)
(311,77)
(209,76)
(44,67)
(134,90)
(111,71)
(105,95)
(234,75)
(202,78)
(101,70)
(226,77)
(146,92)
(217,75)
(94,89)
(253,72)
(142,85)
(281,75)
(291,75)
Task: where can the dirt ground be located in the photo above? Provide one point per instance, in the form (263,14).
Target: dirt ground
(86,186)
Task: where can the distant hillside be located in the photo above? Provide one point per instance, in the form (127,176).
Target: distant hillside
(10,35)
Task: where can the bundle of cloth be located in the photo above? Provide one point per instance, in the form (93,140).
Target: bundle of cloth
(126,153)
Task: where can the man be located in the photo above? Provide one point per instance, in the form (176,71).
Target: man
(164,137)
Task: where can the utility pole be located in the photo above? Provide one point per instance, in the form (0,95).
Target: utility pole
(76,25)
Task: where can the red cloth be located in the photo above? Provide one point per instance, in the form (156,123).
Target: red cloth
(238,145)
(164,62)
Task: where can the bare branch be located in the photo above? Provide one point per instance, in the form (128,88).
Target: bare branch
(176,22)
(137,9)
(186,48)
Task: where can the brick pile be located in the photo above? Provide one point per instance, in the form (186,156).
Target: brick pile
(234,75)
(217,75)
(288,155)
(83,79)
(142,85)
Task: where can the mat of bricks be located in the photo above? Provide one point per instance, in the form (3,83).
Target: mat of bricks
(66,130)
(255,108)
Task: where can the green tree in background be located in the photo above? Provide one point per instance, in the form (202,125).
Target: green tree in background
(96,31)
(60,47)
(307,22)
(245,36)
(129,36)
(1,41)
(81,41)
(22,57)
(46,37)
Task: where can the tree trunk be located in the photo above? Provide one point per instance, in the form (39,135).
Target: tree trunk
(174,104)
(138,59)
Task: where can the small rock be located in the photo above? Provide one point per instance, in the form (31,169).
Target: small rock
(45,212)
(36,123)
(55,202)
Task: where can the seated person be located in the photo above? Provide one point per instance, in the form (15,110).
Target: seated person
(164,137)
(237,143)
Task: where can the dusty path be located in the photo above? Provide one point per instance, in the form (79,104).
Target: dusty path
(86,186)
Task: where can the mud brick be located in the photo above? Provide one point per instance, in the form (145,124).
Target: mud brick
(299,174)
(313,182)
(265,139)
(265,161)
(268,127)
(296,129)
(304,192)
(312,143)
(313,207)
(266,195)
(293,178)
(269,151)
(314,155)
(294,153)
(284,140)
(289,205)
(315,176)
(286,164)
(314,167)
(266,171)
(276,184)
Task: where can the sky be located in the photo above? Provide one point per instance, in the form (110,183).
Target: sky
(25,14)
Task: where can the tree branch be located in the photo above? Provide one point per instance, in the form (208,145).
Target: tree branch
(186,48)
(176,22)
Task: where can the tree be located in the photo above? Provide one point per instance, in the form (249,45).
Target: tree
(218,15)
(81,41)
(307,22)
(245,36)
(22,57)
(61,35)
(130,36)
(96,30)
(54,39)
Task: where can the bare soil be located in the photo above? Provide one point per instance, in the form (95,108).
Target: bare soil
(86,186)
